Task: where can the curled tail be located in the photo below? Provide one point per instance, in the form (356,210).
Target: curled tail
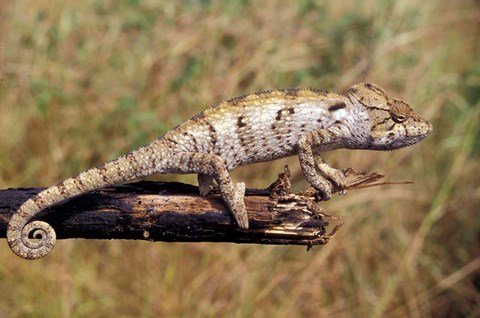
(20,231)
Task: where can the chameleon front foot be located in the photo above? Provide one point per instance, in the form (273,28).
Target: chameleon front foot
(335,176)
(329,180)
(325,187)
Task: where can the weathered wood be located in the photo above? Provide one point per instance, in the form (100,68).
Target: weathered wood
(159,211)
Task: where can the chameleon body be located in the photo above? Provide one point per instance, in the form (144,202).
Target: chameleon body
(258,127)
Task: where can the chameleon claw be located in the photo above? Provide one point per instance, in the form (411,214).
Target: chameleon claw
(205,184)
(323,194)
(338,178)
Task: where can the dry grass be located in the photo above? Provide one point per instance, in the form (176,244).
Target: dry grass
(84,81)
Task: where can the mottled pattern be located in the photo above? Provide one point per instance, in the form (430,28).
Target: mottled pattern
(252,128)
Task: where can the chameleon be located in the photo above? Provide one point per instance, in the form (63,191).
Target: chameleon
(258,127)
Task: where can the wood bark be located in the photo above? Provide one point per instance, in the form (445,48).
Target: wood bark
(174,212)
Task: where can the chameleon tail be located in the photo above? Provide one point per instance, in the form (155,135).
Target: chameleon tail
(20,230)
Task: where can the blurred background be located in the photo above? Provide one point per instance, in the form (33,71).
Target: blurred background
(82,82)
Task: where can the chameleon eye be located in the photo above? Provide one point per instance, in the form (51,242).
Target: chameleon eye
(398,118)
(399,111)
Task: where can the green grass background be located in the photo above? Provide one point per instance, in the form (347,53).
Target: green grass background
(82,82)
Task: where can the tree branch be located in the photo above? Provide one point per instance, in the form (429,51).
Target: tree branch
(159,211)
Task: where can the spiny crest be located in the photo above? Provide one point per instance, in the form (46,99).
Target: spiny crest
(285,93)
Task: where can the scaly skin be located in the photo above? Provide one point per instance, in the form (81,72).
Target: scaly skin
(259,127)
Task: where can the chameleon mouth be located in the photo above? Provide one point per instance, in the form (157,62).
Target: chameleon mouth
(401,143)
(410,142)
(413,139)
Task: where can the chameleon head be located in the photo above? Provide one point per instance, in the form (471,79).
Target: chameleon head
(393,123)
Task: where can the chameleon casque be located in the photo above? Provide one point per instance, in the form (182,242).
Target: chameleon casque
(258,127)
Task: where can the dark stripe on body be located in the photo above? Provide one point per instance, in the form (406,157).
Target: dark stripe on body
(241,122)
(337,106)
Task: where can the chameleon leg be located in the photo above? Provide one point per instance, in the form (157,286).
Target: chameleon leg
(321,182)
(205,184)
(212,167)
